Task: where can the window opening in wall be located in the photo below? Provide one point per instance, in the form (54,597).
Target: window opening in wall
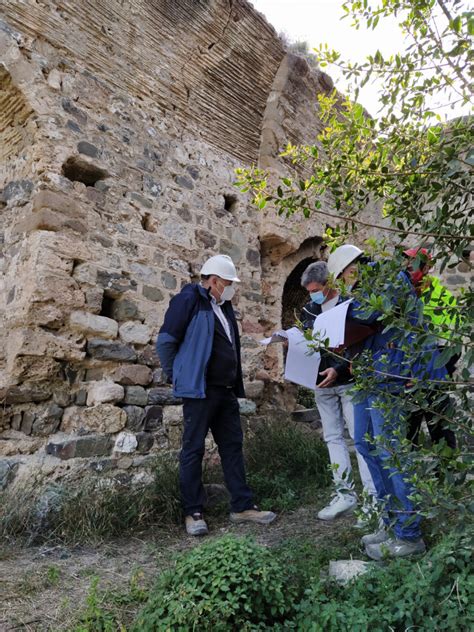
(79,170)
(107,306)
(230,202)
(294,296)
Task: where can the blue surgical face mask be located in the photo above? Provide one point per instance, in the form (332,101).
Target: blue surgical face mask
(317,297)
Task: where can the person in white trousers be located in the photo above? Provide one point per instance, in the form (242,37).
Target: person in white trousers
(333,400)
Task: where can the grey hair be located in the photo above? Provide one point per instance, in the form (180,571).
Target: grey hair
(315,273)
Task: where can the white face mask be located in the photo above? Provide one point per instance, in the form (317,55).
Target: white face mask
(228,293)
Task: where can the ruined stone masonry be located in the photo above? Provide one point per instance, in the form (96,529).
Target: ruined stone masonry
(121,124)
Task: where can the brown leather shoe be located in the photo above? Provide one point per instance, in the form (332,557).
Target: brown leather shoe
(253,515)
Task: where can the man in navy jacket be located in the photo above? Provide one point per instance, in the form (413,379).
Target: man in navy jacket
(199,350)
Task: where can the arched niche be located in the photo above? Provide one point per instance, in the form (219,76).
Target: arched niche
(294,297)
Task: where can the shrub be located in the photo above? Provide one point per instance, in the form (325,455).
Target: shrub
(435,593)
(305,397)
(226,584)
(286,464)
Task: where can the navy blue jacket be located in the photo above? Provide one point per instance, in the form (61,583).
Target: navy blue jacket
(389,358)
(185,340)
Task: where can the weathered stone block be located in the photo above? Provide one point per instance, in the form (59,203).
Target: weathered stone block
(135,333)
(205,238)
(125,309)
(344,571)
(108,350)
(47,421)
(172,415)
(135,417)
(81,397)
(87,149)
(173,434)
(253,257)
(17,190)
(116,284)
(94,374)
(151,186)
(254,390)
(126,442)
(153,417)
(80,447)
(247,407)
(85,273)
(32,342)
(145,442)
(62,397)
(90,324)
(103,418)
(148,356)
(159,377)
(16,421)
(184,182)
(27,422)
(104,392)
(131,374)
(69,107)
(168,280)
(94,299)
(13,443)
(152,293)
(305,416)
(136,395)
(162,395)
(25,393)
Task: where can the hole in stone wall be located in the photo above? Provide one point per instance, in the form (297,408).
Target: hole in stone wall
(107,306)
(230,202)
(148,224)
(294,296)
(78,170)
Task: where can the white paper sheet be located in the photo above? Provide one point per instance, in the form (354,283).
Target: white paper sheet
(277,336)
(302,363)
(332,324)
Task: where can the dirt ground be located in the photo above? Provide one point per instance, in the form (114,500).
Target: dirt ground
(45,588)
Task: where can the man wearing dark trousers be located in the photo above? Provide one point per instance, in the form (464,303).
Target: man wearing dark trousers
(199,350)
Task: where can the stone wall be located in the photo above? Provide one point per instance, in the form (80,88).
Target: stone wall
(122,123)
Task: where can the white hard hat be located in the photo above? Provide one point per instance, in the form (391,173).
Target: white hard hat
(222,266)
(341,258)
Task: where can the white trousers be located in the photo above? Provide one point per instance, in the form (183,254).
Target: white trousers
(336,410)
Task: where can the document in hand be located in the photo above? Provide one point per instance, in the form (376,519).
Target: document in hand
(331,324)
(302,363)
(277,336)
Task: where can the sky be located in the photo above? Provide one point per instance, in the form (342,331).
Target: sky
(319,21)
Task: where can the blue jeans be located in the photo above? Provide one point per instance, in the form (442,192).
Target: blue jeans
(390,483)
(219,412)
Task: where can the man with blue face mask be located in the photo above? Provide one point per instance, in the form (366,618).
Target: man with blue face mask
(199,350)
(332,399)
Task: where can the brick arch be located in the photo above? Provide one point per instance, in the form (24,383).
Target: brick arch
(15,116)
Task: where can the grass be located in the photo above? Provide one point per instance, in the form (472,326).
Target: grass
(287,465)
(97,509)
